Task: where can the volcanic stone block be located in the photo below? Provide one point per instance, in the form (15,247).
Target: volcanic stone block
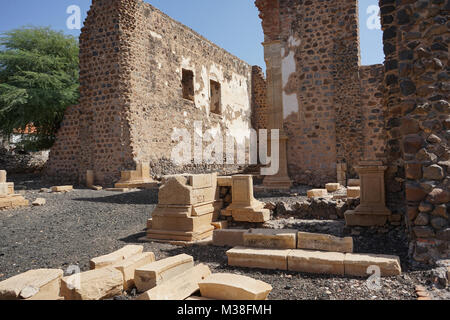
(332,187)
(324,242)
(245,208)
(116,256)
(316,193)
(358,264)
(95,284)
(226,286)
(40,284)
(269,238)
(62,188)
(229,237)
(258,258)
(316,262)
(151,275)
(128,267)
(179,287)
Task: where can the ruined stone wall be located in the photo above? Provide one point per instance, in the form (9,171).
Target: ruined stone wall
(321,86)
(131,97)
(259,99)
(373,108)
(64,158)
(416,38)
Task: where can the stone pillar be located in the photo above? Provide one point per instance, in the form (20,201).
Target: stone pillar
(272,56)
(372,211)
(245,208)
(89,178)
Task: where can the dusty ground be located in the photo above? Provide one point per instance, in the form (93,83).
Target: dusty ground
(74,227)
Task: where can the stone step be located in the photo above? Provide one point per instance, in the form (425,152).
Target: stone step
(116,256)
(39,284)
(62,188)
(275,259)
(226,286)
(270,238)
(128,267)
(179,287)
(324,242)
(229,237)
(318,262)
(149,276)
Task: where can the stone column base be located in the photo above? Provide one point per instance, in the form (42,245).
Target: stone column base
(278,183)
(354,218)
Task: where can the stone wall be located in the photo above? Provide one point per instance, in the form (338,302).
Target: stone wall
(259,99)
(132,58)
(373,111)
(416,38)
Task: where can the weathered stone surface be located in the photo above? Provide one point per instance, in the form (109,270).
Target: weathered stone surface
(415,193)
(317,193)
(226,286)
(3,176)
(422,219)
(364,220)
(220,224)
(424,232)
(353,192)
(4,190)
(224,181)
(439,223)
(332,187)
(324,242)
(358,264)
(39,202)
(128,267)
(149,276)
(316,262)
(40,284)
(62,188)
(179,287)
(354,183)
(116,256)
(440,211)
(270,239)
(95,284)
(258,258)
(229,237)
(433,172)
(439,196)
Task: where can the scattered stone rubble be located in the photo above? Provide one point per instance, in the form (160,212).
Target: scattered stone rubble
(8,198)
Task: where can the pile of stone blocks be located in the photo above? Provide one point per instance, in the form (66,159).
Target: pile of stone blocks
(8,199)
(290,250)
(139,178)
(187,205)
(244,206)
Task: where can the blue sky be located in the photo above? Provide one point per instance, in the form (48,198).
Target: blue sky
(232,24)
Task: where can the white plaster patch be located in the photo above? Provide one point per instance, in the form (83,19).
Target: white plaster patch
(290,102)
(155,35)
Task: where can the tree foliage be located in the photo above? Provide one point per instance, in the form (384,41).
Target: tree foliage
(38,81)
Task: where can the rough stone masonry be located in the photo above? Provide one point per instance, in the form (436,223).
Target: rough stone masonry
(143,74)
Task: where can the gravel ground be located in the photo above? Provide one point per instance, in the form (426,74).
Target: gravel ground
(76,226)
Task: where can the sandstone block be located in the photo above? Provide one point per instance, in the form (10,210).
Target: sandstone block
(353,192)
(117,189)
(4,190)
(89,178)
(258,258)
(332,187)
(40,284)
(226,286)
(128,267)
(224,181)
(2,176)
(316,193)
(179,287)
(269,238)
(116,256)
(364,220)
(39,202)
(62,188)
(229,237)
(149,276)
(95,284)
(358,264)
(220,224)
(324,242)
(316,262)
(255,216)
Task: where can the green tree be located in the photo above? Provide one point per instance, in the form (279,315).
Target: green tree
(39,79)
